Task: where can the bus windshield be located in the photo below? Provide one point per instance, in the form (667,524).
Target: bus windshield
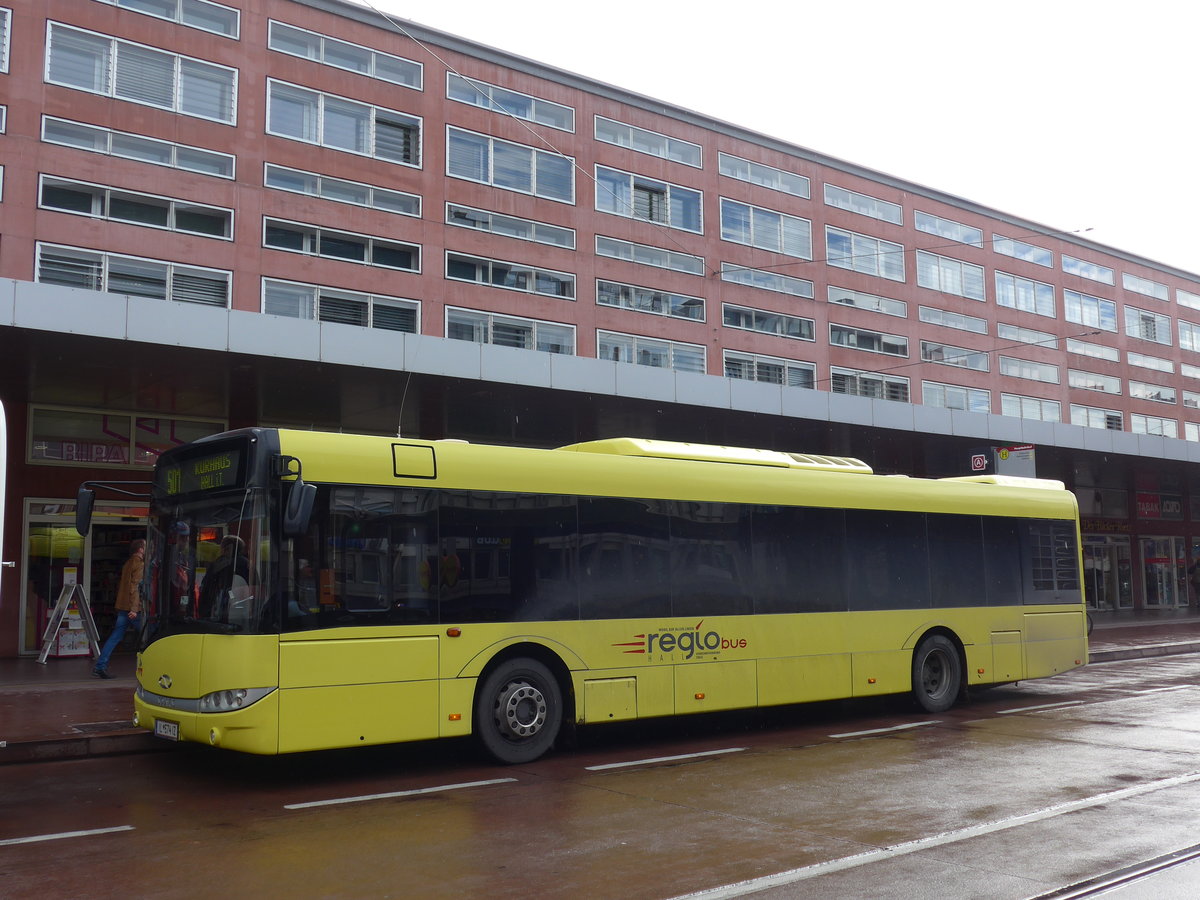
(207,565)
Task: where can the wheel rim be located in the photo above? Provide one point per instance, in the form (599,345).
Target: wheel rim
(520,710)
(935,674)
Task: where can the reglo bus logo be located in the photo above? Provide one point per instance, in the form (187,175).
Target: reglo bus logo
(688,641)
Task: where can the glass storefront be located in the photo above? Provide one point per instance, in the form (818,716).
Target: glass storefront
(1164,565)
(55,554)
(1108,572)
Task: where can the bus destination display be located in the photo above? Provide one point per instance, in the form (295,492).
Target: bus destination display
(202,473)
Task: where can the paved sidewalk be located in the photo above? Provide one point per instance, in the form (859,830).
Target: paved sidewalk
(58,711)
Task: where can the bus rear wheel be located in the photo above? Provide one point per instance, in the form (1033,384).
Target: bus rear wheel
(518,711)
(937,676)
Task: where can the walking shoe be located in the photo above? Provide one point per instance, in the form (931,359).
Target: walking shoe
(102,673)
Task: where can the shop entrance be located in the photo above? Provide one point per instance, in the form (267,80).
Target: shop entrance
(57,555)
(1164,570)
(1107,572)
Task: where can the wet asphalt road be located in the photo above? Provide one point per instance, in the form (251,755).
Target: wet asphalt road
(1022,791)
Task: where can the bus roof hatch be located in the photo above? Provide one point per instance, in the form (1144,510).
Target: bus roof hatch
(713,453)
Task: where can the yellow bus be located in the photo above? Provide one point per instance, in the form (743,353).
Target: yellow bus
(310,590)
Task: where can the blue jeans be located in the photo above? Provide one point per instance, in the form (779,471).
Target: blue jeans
(118,632)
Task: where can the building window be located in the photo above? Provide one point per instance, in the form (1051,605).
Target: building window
(861,253)
(117,205)
(1144,286)
(1191,431)
(1092,271)
(1187,298)
(1191,399)
(509,102)
(768,322)
(5,28)
(109,438)
(868,384)
(510,276)
(766,176)
(647,300)
(341,124)
(947,355)
(513,167)
(869,302)
(958,321)
(765,228)
(202,14)
(340,191)
(1030,408)
(343,55)
(871,341)
(766,281)
(1189,336)
(1189,371)
(954,396)
(1139,424)
(948,229)
(1093,381)
(1140,390)
(1020,250)
(509,331)
(768,369)
(510,226)
(1092,417)
(1096,351)
(950,276)
(1026,336)
(1147,326)
(1156,363)
(138,277)
(649,256)
(864,204)
(1024,368)
(644,141)
(636,197)
(325,304)
(113,68)
(3,118)
(644,351)
(136,147)
(1094,312)
(1025,294)
(312,240)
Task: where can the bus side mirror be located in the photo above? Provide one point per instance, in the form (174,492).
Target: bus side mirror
(85,499)
(298,510)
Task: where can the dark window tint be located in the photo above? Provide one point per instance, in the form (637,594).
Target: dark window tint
(956,567)
(887,560)
(624,558)
(799,563)
(710,559)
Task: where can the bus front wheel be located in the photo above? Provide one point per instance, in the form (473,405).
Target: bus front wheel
(518,711)
(937,674)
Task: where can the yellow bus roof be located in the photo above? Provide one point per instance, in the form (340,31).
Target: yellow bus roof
(662,470)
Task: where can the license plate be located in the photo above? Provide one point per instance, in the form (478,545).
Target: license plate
(166,730)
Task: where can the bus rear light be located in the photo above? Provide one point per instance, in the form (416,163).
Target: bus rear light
(453,632)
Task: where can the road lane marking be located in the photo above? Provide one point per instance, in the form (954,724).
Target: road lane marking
(393,794)
(1178,687)
(780,879)
(850,734)
(661,759)
(62,835)
(1005,712)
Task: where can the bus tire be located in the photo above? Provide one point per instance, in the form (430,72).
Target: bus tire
(937,674)
(518,711)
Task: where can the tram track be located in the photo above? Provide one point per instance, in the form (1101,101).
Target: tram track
(1127,876)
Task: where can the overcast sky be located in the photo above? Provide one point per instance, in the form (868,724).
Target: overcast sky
(1075,115)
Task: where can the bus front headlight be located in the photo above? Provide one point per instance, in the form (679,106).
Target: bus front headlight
(228,701)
